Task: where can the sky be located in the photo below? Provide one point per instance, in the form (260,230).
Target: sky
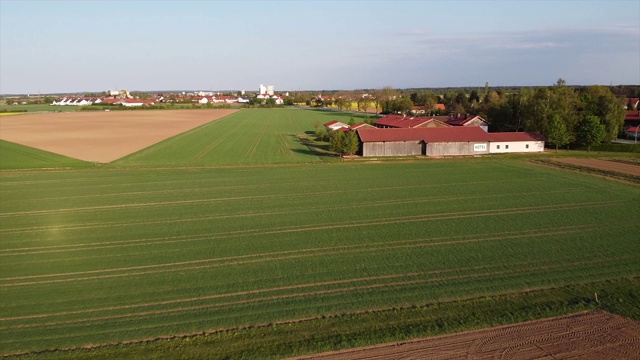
(93,46)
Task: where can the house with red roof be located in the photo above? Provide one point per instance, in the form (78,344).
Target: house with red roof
(335,125)
(421,110)
(633,102)
(632,118)
(401,121)
(205,99)
(464,120)
(134,102)
(632,132)
(444,141)
(361,125)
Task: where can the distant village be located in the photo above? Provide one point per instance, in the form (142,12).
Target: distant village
(124,98)
(403,109)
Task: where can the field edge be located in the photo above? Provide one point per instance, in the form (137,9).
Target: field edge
(377,326)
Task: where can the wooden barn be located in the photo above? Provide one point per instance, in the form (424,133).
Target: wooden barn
(444,141)
(438,141)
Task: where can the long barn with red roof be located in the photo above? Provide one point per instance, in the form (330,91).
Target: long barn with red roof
(445,141)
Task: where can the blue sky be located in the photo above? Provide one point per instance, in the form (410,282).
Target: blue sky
(72,46)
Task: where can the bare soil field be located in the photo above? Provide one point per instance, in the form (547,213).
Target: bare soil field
(616,166)
(588,335)
(102,136)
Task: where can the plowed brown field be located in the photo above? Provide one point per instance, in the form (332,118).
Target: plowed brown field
(102,136)
(616,166)
(588,335)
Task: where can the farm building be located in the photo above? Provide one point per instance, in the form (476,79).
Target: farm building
(464,120)
(400,121)
(335,125)
(361,125)
(632,132)
(444,141)
(632,118)
(509,142)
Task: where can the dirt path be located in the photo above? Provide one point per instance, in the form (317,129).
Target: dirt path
(587,335)
(609,165)
(102,136)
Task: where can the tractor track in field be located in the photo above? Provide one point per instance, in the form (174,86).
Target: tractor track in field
(261,258)
(223,138)
(265,213)
(309,194)
(256,142)
(314,293)
(333,225)
(3,189)
(284,148)
(294,125)
(251,292)
(450,240)
(166,191)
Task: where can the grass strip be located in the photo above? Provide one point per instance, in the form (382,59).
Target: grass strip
(342,331)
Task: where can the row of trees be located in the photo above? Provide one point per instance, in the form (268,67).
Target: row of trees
(549,110)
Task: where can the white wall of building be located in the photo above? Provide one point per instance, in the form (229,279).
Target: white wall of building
(501,147)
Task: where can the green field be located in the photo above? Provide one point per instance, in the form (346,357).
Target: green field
(257,136)
(15,156)
(38,108)
(107,255)
(279,252)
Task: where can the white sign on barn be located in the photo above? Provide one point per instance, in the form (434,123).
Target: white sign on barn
(479,147)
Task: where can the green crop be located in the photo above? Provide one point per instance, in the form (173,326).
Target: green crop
(107,255)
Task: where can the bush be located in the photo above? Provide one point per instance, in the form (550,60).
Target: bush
(630,148)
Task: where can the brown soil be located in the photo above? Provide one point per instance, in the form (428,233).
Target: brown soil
(609,165)
(587,335)
(102,136)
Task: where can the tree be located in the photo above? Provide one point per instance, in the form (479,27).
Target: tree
(320,131)
(336,141)
(364,103)
(344,143)
(397,105)
(558,134)
(350,143)
(383,98)
(461,98)
(590,132)
(474,96)
(546,102)
(342,103)
(601,102)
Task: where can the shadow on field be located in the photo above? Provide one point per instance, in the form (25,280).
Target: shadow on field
(313,148)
